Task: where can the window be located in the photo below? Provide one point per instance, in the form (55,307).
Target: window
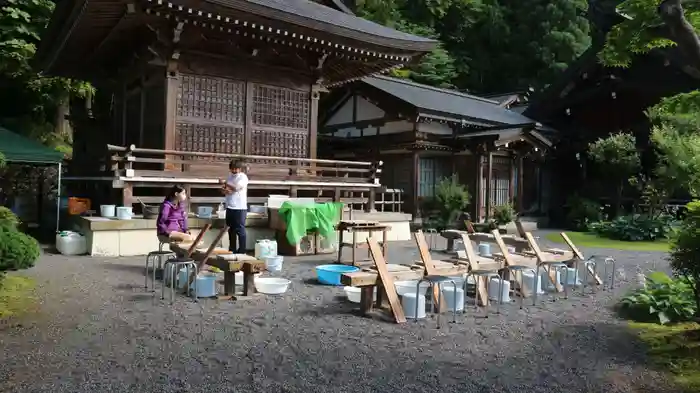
(430,171)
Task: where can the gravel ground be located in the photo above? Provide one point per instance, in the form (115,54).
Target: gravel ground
(98,331)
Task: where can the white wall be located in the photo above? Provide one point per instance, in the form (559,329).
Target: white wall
(389,128)
(365,111)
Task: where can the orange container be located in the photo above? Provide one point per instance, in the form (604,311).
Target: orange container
(77,206)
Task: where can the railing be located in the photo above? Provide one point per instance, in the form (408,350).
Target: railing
(138,163)
(352,182)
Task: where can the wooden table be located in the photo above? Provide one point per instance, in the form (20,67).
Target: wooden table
(230,267)
(360,226)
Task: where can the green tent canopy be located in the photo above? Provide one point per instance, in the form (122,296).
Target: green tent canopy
(19,149)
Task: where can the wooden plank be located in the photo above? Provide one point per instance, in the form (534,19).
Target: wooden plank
(578,254)
(370,278)
(430,269)
(476,264)
(197,240)
(387,281)
(201,262)
(510,261)
(541,259)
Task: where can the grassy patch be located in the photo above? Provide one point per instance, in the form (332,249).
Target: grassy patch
(16,296)
(675,348)
(583,239)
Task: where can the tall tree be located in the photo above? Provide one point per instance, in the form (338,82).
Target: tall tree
(30,102)
(652,24)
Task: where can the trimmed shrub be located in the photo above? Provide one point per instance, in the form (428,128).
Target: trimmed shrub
(635,228)
(17,250)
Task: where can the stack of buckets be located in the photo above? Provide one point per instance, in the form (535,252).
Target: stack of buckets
(266,250)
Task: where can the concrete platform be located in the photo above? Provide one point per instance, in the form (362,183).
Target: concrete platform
(114,238)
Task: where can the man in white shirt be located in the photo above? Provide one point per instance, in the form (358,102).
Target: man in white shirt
(236,191)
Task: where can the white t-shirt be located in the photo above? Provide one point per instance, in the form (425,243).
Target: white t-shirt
(237,200)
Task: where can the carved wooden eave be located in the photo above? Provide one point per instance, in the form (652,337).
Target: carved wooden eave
(84,28)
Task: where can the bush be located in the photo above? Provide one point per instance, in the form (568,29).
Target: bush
(662,300)
(8,218)
(503,214)
(635,228)
(17,250)
(451,198)
(685,252)
(581,212)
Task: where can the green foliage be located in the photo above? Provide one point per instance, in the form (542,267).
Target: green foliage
(30,101)
(617,154)
(641,32)
(489,45)
(581,212)
(676,121)
(685,252)
(635,228)
(503,214)
(8,218)
(449,202)
(435,69)
(17,250)
(663,300)
(3,162)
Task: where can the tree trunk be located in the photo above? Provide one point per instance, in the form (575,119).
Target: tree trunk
(681,31)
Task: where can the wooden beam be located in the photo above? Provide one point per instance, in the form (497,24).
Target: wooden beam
(313,120)
(415,182)
(113,32)
(172,85)
(489,185)
(521,188)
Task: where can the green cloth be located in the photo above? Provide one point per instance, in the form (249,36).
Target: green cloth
(19,149)
(300,219)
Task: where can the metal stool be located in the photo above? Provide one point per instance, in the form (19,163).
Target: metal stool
(518,269)
(151,259)
(433,234)
(592,262)
(476,275)
(557,266)
(437,280)
(175,264)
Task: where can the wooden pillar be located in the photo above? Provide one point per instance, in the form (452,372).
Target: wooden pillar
(511,181)
(489,186)
(123,114)
(538,168)
(142,109)
(415,182)
(479,186)
(313,120)
(127,195)
(172,84)
(521,173)
(248,132)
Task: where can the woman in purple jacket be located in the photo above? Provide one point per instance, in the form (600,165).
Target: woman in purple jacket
(172,217)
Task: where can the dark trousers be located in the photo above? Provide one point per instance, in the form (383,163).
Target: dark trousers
(235,220)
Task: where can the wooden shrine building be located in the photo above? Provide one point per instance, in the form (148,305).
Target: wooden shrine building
(185,86)
(424,134)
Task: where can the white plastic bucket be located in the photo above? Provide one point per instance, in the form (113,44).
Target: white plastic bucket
(484,249)
(108,211)
(408,302)
(265,249)
(71,243)
(493,290)
(124,213)
(448,293)
(274,264)
(410,286)
(573,276)
(528,280)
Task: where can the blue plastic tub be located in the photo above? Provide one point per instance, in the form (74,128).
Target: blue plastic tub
(206,285)
(330,274)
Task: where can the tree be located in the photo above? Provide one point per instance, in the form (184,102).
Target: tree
(30,102)
(618,159)
(653,24)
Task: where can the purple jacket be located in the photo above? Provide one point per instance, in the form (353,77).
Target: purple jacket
(171,218)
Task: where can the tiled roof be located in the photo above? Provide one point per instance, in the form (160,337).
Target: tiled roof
(316,16)
(447,102)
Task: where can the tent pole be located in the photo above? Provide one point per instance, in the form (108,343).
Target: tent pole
(58,196)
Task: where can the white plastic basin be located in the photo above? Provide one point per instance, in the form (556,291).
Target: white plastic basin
(354,294)
(271,285)
(404,287)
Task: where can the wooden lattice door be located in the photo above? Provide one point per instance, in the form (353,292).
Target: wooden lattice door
(280,121)
(210,117)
